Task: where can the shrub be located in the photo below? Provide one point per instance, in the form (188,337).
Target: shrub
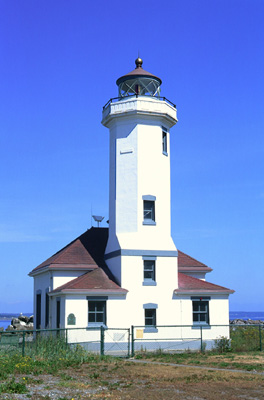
(245,338)
(223,344)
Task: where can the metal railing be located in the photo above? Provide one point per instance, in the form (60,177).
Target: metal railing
(115,99)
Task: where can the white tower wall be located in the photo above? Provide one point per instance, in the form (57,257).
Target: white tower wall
(138,168)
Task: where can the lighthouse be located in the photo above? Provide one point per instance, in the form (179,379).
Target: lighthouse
(131,274)
(140,251)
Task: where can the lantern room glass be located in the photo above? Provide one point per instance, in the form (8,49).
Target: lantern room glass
(142,86)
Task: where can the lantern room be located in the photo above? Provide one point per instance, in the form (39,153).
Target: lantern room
(139,82)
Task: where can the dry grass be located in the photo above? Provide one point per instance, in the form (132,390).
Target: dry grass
(125,380)
(244,361)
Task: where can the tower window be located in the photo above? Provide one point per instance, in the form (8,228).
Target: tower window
(150,317)
(164,141)
(149,270)
(149,210)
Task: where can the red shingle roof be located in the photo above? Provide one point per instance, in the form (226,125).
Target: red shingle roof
(96,280)
(73,254)
(87,252)
(187,263)
(188,284)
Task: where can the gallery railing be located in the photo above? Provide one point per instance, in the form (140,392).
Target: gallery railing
(115,99)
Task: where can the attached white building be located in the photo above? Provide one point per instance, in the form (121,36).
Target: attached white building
(132,273)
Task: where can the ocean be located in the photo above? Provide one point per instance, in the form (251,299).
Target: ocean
(255,315)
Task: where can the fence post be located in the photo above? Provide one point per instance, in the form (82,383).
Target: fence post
(128,343)
(201,330)
(260,339)
(132,342)
(66,336)
(102,341)
(23,344)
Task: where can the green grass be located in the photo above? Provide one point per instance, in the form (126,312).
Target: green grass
(11,386)
(45,355)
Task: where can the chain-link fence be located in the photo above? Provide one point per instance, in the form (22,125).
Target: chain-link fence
(125,342)
(98,340)
(196,338)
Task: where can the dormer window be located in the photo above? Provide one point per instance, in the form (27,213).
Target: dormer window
(149,210)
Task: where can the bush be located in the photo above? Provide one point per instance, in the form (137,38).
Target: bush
(245,338)
(222,345)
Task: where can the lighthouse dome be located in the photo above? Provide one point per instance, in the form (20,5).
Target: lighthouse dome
(138,82)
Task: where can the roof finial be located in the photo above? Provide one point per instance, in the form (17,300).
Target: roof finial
(139,62)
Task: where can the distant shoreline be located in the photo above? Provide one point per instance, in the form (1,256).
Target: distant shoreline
(7,317)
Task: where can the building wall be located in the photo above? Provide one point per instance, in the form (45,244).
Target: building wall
(62,277)
(197,275)
(53,311)
(122,312)
(45,283)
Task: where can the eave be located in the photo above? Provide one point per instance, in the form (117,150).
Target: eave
(63,267)
(120,292)
(194,269)
(202,291)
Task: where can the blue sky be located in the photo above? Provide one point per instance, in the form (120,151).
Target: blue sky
(59,61)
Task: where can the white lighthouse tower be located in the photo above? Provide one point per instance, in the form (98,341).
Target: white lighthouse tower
(144,287)
(140,251)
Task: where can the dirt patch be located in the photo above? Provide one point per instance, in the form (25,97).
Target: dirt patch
(129,381)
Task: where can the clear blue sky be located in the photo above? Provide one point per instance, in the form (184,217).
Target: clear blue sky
(59,61)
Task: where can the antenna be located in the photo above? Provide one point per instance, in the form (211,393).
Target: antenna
(98,219)
(91,214)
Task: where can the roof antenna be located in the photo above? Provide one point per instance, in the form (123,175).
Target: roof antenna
(91,214)
(98,219)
